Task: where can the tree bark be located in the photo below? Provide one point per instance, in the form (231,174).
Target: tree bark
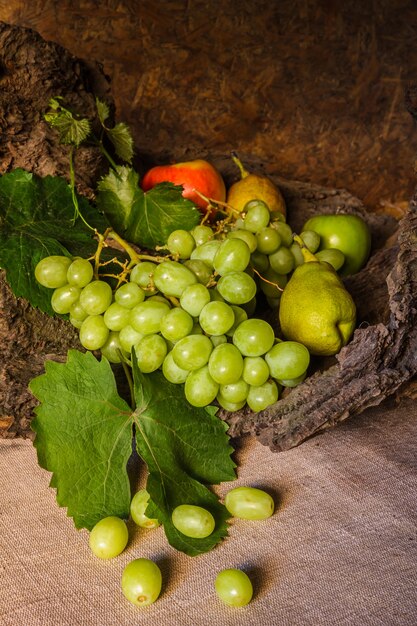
(381,356)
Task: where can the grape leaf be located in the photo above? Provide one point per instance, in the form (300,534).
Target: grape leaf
(146,219)
(185,449)
(103,111)
(122,141)
(71,128)
(84,437)
(36,220)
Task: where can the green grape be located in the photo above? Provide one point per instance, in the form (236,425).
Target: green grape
(233,587)
(259,261)
(129,337)
(292,382)
(311,239)
(262,396)
(287,359)
(182,243)
(225,364)
(272,284)
(215,296)
(237,287)
(216,340)
(216,318)
(193,521)
(172,278)
(285,232)
(112,349)
(172,372)
(129,295)
(297,254)
(64,297)
(141,582)
(200,269)
(246,236)
(138,508)
(201,234)
(176,324)
(282,261)
(77,312)
(158,298)
(93,332)
(240,316)
(257,217)
(249,307)
(192,352)
(146,316)
(142,275)
(277,216)
(80,273)
(249,503)
(200,389)
(75,322)
(109,537)
(96,297)
(150,353)
(197,330)
(254,337)
(233,255)
(206,252)
(229,406)
(254,203)
(333,256)
(116,316)
(235,392)
(255,370)
(51,271)
(274,303)
(239,222)
(268,240)
(194,298)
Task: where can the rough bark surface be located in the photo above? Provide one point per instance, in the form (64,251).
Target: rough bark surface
(31,72)
(377,361)
(381,356)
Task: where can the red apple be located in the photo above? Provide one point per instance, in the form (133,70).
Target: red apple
(192,175)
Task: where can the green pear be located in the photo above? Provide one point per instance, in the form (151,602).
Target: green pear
(316,309)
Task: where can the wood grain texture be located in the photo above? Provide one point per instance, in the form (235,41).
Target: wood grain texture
(315,90)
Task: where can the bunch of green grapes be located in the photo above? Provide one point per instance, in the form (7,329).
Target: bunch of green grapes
(189,317)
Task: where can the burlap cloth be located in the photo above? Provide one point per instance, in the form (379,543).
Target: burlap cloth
(340,549)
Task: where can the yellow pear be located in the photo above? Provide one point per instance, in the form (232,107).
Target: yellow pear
(316,309)
(254,187)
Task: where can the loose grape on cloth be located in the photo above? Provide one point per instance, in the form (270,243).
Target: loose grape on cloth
(341,547)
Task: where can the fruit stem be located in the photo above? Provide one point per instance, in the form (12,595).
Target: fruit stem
(238,162)
(309,257)
(267,281)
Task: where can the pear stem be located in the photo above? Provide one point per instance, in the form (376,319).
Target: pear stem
(238,162)
(309,257)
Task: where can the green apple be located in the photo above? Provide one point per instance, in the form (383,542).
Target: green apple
(348,233)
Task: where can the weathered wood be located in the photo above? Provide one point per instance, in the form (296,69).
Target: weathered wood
(31,72)
(377,361)
(381,356)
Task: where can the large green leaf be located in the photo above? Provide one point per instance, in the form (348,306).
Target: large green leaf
(36,220)
(146,219)
(84,437)
(185,449)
